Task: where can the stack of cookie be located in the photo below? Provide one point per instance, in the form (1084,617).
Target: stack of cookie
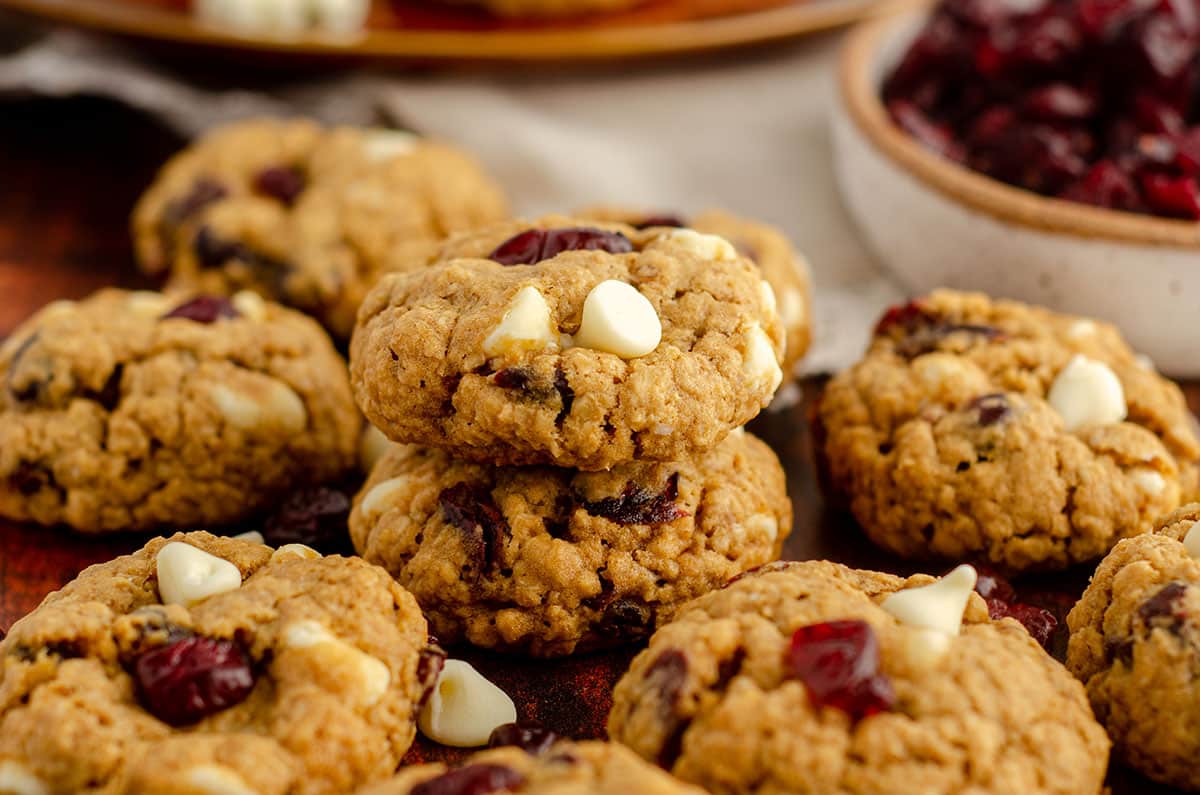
(570,395)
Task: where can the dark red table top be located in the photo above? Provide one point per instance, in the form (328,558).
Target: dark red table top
(70,171)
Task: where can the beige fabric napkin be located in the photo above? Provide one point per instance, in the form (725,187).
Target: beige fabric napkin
(747,132)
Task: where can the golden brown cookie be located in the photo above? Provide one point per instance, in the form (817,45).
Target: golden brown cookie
(1135,643)
(572,343)
(804,678)
(138,410)
(305,215)
(203,665)
(993,429)
(553,561)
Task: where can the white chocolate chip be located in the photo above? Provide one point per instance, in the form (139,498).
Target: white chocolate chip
(739,431)
(283,18)
(279,406)
(216,780)
(375,501)
(792,308)
(763,524)
(464,708)
(620,320)
(1080,329)
(712,247)
(294,552)
(250,304)
(253,536)
(936,369)
(237,409)
(187,575)
(938,606)
(1148,481)
(1191,541)
(1087,392)
(371,674)
(372,446)
(15,779)
(1144,362)
(145,303)
(768,298)
(526,326)
(381,145)
(925,648)
(760,364)
(286,407)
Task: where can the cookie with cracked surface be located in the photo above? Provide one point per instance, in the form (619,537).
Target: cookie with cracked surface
(564,768)
(138,410)
(203,665)
(551,561)
(1135,644)
(993,429)
(782,266)
(800,678)
(306,215)
(569,342)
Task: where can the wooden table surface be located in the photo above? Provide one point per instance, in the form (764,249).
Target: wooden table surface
(70,171)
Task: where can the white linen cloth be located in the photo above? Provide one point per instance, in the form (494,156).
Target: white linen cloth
(747,132)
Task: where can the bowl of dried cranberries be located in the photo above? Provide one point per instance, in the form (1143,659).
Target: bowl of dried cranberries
(1044,150)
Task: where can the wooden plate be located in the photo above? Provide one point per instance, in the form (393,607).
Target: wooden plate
(407,31)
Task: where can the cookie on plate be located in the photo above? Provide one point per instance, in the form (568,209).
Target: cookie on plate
(305,215)
(551,561)
(137,410)
(782,266)
(561,768)
(570,342)
(816,678)
(993,429)
(202,665)
(1135,643)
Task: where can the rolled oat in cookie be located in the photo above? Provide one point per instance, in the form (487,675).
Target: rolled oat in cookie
(204,665)
(569,342)
(981,429)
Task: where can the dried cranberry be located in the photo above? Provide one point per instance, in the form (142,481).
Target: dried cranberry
(430,663)
(316,517)
(529,737)
(536,245)
(667,677)
(204,309)
(284,183)
(470,508)
(1038,622)
(1178,197)
(1164,608)
(918,330)
(1104,185)
(566,395)
(193,678)
(513,378)
(991,584)
(838,662)
(205,191)
(936,137)
(660,220)
(472,780)
(992,409)
(639,506)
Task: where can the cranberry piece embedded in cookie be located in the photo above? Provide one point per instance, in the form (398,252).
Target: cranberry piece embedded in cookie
(430,662)
(472,780)
(1038,622)
(668,676)
(316,517)
(470,508)
(903,316)
(284,183)
(1163,609)
(666,219)
(204,192)
(531,738)
(536,245)
(838,662)
(193,678)
(990,584)
(204,309)
(639,506)
(992,409)
(513,378)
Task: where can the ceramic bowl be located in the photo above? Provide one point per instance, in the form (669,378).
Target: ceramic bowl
(934,223)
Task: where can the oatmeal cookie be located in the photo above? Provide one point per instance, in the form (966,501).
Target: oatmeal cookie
(1135,644)
(551,561)
(564,768)
(802,678)
(305,215)
(200,665)
(994,429)
(137,410)
(569,343)
(786,270)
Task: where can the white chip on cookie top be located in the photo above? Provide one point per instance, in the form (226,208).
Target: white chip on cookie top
(1087,392)
(1148,480)
(760,363)
(370,675)
(1081,329)
(938,606)
(249,304)
(16,779)
(213,779)
(188,575)
(380,145)
(620,320)
(374,502)
(276,405)
(464,708)
(1191,541)
(713,247)
(526,326)
(253,536)
(148,304)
